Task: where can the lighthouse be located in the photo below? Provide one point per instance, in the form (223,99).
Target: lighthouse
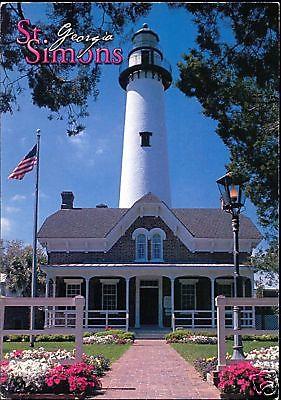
(145,77)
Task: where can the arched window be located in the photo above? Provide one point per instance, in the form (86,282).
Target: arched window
(156,247)
(141,247)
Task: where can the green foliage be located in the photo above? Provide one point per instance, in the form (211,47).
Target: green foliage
(16,338)
(182,333)
(55,338)
(59,87)
(191,351)
(16,263)
(233,72)
(267,260)
(258,338)
(179,334)
(117,332)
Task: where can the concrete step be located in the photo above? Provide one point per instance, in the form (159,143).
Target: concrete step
(146,334)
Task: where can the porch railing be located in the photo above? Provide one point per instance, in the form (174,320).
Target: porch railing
(92,319)
(207,318)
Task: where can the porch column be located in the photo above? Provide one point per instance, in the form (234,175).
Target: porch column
(137,323)
(54,287)
(172,303)
(253,293)
(127,302)
(87,281)
(213,301)
(160,301)
(47,295)
(53,319)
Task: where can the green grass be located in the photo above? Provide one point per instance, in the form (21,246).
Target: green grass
(111,351)
(191,351)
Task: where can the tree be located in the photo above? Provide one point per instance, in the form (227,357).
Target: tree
(59,87)
(267,260)
(16,260)
(233,72)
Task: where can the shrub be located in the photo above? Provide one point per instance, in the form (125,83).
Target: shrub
(116,332)
(16,338)
(258,338)
(186,336)
(55,338)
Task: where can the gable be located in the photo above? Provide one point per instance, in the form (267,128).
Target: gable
(98,229)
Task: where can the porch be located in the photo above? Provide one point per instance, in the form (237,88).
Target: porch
(134,297)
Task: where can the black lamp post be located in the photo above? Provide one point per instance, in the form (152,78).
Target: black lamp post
(232,201)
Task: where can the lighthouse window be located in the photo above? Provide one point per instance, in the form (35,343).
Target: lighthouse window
(145,139)
(145,57)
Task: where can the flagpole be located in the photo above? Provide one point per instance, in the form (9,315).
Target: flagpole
(34,249)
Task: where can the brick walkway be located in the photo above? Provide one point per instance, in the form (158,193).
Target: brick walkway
(151,369)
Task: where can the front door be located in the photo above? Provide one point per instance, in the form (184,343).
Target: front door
(148,306)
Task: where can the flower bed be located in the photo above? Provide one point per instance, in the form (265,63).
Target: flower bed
(40,371)
(106,339)
(256,377)
(185,336)
(265,357)
(245,379)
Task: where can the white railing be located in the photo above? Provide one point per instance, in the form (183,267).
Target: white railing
(192,319)
(108,318)
(92,319)
(207,318)
(244,303)
(77,303)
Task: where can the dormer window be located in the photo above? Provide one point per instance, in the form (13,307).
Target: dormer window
(140,235)
(156,247)
(145,139)
(141,244)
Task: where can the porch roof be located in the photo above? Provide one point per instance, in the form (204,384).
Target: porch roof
(141,265)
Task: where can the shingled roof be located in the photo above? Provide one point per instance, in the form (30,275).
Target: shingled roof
(97,222)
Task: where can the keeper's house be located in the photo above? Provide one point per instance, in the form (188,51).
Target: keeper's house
(146,263)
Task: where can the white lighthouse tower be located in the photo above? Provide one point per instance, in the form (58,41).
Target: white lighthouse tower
(145,158)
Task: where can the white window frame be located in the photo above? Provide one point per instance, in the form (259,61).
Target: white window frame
(226,282)
(73,282)
(162,234)
(109,282)
(189,282)
(135,236)
(153,258)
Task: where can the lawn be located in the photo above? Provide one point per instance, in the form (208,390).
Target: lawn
(111,351)
(191,351)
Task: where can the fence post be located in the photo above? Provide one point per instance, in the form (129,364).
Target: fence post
(221,331)
(79,308)
(2,313)
(106,319)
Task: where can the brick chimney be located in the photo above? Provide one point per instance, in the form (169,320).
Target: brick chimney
(67,200)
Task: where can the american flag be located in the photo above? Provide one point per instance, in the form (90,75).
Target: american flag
(25,165)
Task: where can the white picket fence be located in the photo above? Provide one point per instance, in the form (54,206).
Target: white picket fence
(77,303)
(223,302)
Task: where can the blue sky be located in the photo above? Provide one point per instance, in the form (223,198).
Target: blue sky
(90,164)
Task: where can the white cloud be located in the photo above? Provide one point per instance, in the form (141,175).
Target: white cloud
(11,209)
(99,151)
(6,225)
(18,197)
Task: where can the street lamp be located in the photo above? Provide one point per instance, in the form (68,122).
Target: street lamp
(232,201)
